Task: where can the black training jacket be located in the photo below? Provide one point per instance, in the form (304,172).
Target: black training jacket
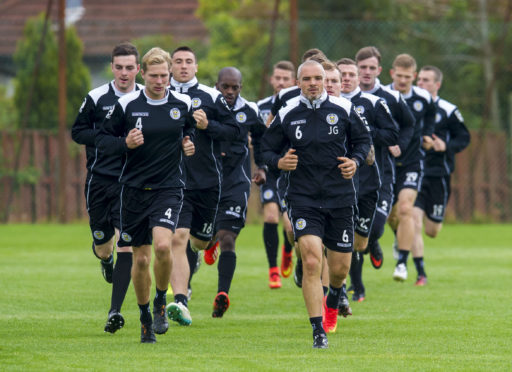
(95,107)
(319,131)
(451,129)
(158,162)
(204,169)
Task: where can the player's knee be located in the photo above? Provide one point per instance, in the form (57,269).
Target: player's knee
(179,240)
(104,250)
(270,218)
(198,245)
(338,271)
(271,213)
(360,243)
(404,209)
(393,218)
(311,265)
(227,242)
(432,231)
(418,223)
(141,262)
(344,268)
(337,277)
(162,249)
(124,250)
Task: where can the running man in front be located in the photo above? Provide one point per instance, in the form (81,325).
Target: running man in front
(152,128)
(327,140)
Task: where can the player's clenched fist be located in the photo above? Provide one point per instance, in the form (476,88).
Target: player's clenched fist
(188,146)
(348,167)
(201,120)
(395,151)
(438,144)
(259,177)
(134,138)
(289,161)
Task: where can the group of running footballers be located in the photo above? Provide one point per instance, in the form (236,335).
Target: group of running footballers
(337,155)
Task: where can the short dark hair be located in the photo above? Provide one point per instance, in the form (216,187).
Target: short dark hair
(285,65)
(183,48)
(438,74)
(313,52)
(125,49)
(368,52)
(320,58)
(346,61)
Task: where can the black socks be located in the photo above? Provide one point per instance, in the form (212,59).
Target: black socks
(121,279)
(271,240)
(145,314)
(333,297)
(418,262)
(226,270)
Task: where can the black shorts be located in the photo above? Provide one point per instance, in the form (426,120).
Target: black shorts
(199,212)
(385,202)
(103,198)
(334,226)
(232,213)
(141,210)
(433,197)
(408,177)
(272,191)
(366,207)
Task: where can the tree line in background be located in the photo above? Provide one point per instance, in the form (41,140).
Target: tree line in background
(468,40)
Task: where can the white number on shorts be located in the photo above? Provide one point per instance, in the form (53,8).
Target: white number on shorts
(168,213)
(363,223)
(207,228)
(411,177)
(138,124)
(345,238)
(437,210)
(298,133)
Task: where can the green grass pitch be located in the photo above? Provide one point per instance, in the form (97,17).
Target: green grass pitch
(54,303)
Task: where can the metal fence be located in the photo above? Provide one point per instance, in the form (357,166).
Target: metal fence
(479,192)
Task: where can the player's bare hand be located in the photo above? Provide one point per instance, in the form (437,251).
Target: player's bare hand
(348,167)
(438,144)
(134,138)
(259,177)
(370,158)
(395,151)
(428,142)
(289,161)
(201,119)
(188,146)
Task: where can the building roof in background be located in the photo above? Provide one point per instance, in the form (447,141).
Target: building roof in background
(103,23)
